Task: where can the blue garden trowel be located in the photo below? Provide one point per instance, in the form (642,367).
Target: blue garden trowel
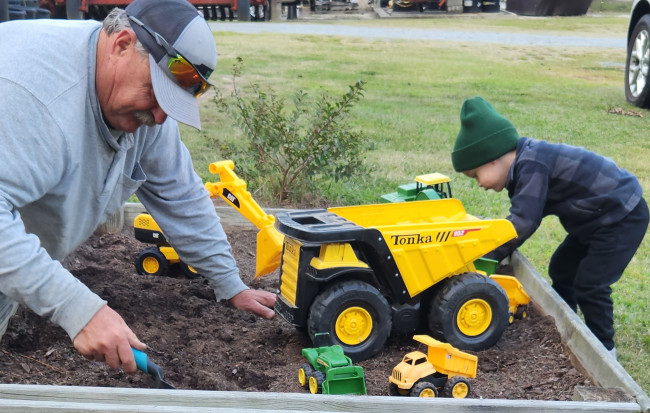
(151,368)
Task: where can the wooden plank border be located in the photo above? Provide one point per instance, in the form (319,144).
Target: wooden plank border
(586,349)
(39,398)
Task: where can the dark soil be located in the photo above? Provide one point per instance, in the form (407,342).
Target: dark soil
(202,344)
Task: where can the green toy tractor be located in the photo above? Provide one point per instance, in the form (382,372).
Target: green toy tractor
(425,187)
(330,371)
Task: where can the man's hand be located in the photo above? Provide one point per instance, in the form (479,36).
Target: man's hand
(107,338)
(258,302)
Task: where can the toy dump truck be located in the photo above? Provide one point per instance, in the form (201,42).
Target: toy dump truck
(358,272)
(429,186)
(232,189)
(330,371)
(444,369)
(438,186)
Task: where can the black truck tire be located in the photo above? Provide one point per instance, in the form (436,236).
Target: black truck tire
(188,271)
(356,316)
(637,77)
(393,390)
(457,387)
(316,380)
(150,261)
(424,389)
(469,312)
(304,372)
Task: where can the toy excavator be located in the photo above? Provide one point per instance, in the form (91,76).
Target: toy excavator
(156,260)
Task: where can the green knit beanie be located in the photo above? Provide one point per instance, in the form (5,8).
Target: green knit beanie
(484,135)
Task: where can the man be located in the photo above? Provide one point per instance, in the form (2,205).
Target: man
(83,125)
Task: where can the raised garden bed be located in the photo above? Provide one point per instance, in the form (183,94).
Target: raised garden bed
(203,345)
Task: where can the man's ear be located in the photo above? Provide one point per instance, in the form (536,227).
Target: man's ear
(122,42)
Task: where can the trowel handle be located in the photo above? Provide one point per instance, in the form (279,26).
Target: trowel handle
(141,360)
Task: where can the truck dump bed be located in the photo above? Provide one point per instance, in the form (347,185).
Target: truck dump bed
(428,240)
(447,359)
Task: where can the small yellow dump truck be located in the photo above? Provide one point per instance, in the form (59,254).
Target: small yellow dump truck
(359,272)
(443,370)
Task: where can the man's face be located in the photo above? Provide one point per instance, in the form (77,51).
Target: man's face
(131,102)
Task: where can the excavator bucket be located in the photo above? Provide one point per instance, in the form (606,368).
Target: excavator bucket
(269,250)
(232,189)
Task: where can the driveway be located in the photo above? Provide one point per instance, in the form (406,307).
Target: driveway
(519,39)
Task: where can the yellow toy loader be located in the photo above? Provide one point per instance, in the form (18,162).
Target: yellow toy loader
(232,189)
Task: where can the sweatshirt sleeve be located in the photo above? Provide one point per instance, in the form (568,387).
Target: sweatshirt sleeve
(32,161)
(176,198)
(527,199)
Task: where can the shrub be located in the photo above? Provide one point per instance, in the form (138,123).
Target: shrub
(292,150)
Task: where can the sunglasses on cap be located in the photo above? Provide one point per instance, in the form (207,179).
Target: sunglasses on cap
(186,74)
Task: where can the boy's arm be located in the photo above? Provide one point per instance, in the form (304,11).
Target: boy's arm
(527,199)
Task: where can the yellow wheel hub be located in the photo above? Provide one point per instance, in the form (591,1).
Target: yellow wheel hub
(150,265)
(460,390)
(428,392)
(353,326)
(313,385)
(474,317)
(302,377)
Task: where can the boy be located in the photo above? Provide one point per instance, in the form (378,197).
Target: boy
(599,204)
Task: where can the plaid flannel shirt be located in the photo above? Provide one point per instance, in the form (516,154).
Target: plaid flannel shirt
(583,189)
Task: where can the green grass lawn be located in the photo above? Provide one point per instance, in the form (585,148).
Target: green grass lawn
(411,111)
(610,6)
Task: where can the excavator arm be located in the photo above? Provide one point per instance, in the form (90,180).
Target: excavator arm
(232,189)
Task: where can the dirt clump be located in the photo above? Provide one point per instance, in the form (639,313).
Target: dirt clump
(202,344)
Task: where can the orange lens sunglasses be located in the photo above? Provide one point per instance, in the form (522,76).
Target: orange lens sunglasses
(186,74)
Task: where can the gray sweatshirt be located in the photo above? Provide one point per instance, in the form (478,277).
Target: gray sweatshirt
(62,173)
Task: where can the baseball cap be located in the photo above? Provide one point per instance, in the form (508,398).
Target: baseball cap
(181,26)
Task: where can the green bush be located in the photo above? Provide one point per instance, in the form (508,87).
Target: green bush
(290,152)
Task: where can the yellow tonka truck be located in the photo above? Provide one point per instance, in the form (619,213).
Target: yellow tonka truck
(359,272)
(157,259)
(443,370)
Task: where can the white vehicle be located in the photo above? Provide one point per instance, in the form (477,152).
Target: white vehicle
(637,65)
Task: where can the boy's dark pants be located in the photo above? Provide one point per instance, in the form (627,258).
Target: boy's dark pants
(582,272)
